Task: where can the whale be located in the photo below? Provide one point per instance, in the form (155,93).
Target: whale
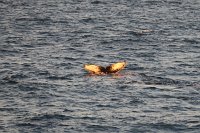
(100,70)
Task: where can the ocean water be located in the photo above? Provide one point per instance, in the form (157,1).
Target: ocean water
(45,43)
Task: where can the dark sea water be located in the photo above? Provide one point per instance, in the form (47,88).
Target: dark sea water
(45,43)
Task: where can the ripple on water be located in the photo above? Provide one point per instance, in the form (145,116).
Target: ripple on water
(44,45)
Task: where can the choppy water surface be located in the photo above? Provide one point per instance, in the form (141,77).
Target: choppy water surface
(44,44)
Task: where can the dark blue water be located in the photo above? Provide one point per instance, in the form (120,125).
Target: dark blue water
(45,43)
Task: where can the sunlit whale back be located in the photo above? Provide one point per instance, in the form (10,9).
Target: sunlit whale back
(99,70)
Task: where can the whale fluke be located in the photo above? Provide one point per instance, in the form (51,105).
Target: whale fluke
(99,70)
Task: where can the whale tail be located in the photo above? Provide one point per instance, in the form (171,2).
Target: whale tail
(99,70)
(94,69)
(113,68)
